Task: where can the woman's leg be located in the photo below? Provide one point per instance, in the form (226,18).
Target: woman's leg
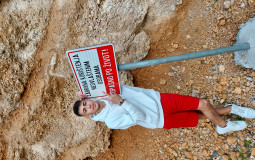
(220,111)
(209,112)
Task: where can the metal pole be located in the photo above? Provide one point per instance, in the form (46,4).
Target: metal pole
(236,47)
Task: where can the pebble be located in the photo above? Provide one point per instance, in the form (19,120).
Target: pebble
(223,80)
(188,36)
(224,96)
(171,150)
(162,81)
(222,100)
(227,4)
(205,153)
(233,156)
(218,87)
(172,7)
(216,135)
(176,45)
(242,5)
(222,22)
(252,99)
(183,69)
(171,74)
(225,157)
(253,151)
(235,80)
(221,68)
(231,140)
(241,143)
(238,90)
(251,2)
(226,147)
(249,78)
(195,93)
(188,155)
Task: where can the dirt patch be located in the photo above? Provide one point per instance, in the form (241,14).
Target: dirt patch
(196,26)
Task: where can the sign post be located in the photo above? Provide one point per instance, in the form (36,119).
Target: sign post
(95,69)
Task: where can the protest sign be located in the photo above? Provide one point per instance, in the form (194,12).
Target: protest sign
(95,69)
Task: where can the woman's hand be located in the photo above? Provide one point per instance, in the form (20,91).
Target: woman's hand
(114,98)
(82,96)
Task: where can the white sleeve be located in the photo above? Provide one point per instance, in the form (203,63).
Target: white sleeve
(127,117)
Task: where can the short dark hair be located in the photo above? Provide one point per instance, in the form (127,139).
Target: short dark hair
(76,108)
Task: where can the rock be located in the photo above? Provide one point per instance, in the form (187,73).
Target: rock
(140,46)
(216,135)
(242,5)
(214,154)
(242,143)
(195,93)
(224,96)
(171,150)
(225,157)
(221,68)
(205,153)
(171,50)
(184,145)
(226,146)
(188,36)
(176,45)
(222,22)
(231,140)
(183,69)
(251,2)
(218,87)
(223,80)
(162,81)
(253,151)
(158,9)
(216,29)
(235,80)
(188,155)
(226,4)
(249,78)
(171,74)
(252,99)
(238,90)
(172,7)
(233,156)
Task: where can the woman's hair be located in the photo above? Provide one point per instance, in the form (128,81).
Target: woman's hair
(76,107)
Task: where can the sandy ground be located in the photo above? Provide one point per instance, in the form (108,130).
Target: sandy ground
(196,26)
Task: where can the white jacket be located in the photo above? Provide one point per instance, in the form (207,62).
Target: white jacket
(141,107)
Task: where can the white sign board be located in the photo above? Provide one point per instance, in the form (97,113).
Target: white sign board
(95,69)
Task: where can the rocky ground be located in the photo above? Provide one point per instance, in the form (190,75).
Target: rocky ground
(196,26)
